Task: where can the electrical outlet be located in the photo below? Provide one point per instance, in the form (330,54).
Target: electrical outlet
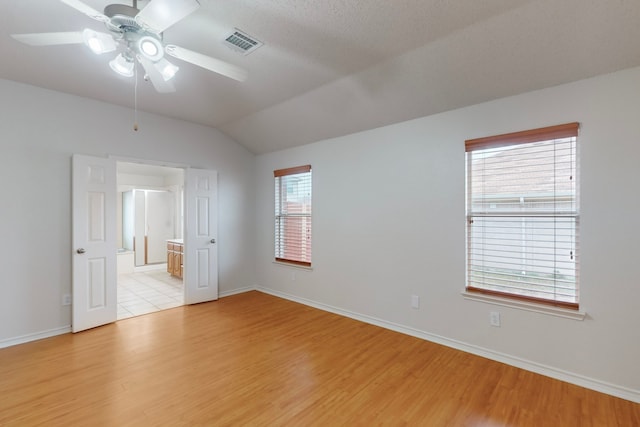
(293,277)
(66,299)
(494,318)
(415,301)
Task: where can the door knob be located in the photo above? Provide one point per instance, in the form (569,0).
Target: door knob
(213,240)
(81,251)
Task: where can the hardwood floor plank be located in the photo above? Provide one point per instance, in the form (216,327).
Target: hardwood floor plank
(254,359)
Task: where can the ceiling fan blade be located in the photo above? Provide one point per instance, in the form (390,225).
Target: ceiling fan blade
(159,15)
(49,39)
(207,62)
(156,78)
(87,10)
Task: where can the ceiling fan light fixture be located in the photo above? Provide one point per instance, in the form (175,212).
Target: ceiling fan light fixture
(137,34)
(98,42)
(166,69)
(150,48)
(122,66)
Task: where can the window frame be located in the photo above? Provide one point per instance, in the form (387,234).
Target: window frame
(513,139)
(279,214)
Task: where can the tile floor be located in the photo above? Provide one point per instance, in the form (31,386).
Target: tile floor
(147,290)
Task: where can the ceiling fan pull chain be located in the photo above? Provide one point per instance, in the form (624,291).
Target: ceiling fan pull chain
(135,99)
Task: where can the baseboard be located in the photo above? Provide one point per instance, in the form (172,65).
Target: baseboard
(67,329)
(549,371)
(236,291)
(36,336)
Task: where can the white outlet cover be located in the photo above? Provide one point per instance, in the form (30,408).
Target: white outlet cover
(494,318)
(415,301)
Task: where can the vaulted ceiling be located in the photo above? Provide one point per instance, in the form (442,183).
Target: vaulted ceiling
(333,67)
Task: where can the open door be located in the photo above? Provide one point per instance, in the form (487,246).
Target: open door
(94,242)
(201,233)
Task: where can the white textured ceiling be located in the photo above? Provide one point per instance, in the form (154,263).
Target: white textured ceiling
(334,67)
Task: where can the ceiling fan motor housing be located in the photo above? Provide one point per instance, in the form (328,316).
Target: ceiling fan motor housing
(123,24)
(122,15)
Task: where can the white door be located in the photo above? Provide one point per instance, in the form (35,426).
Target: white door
(201,234)
(94,242)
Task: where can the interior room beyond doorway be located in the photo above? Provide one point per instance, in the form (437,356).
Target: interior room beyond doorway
(150,212)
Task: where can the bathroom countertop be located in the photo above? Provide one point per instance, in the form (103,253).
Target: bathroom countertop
(181,241)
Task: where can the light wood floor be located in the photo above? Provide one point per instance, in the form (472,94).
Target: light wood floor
(253,359)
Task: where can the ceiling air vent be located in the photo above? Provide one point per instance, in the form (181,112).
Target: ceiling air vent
(242,42)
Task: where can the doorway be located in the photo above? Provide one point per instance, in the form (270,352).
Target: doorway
(150,218)
(95,244)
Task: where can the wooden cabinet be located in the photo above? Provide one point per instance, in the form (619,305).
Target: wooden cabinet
(175,250)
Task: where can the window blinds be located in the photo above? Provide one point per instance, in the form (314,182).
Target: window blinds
(522,215)
(293,215)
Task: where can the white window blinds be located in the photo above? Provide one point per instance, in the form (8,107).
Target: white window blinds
(522,215)
(293,215)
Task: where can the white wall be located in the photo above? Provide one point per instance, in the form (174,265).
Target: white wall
(389,222)
(39,132)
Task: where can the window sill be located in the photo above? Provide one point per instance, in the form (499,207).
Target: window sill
(528,306)
(286,264)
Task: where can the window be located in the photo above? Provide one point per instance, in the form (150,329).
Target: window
(293,215)
(522,215)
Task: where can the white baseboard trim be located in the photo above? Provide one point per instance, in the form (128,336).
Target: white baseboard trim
(67,329)
(35,336)
(236,291)
(549,371)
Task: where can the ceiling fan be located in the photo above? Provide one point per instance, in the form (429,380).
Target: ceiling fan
(138,34)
